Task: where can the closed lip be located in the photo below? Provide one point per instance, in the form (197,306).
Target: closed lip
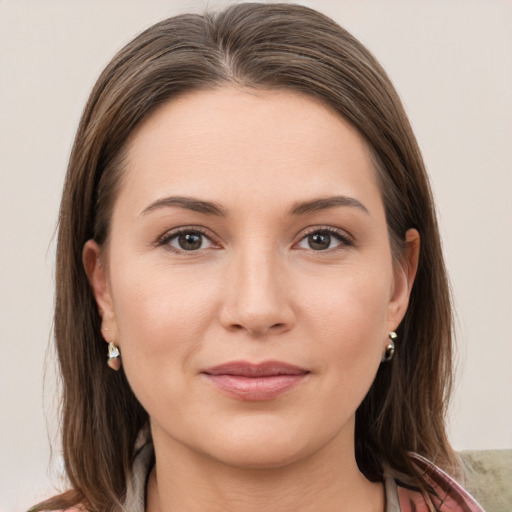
(254,370)
(247,381)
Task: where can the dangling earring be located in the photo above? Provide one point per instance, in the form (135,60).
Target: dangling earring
(113,360)
(390,349)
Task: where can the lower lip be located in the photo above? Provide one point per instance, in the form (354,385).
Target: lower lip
(255,388)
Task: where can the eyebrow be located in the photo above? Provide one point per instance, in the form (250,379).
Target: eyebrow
(211,208)
(189,203)
(317,205)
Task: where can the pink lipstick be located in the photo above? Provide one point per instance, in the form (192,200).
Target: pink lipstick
(255,382)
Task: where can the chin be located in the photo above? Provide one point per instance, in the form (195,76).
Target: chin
(266,445)
(255,457)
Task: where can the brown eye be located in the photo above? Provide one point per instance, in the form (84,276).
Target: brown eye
(319,241)
(188,241)
(325,239)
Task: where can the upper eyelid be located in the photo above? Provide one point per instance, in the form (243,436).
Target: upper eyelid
(171,233)
(331,229)
(344,241)
(313,229)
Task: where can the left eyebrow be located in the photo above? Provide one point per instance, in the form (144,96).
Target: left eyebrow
(187,203)
(317,205)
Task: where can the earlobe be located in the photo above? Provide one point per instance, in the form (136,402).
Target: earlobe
(97,276)
(404,279)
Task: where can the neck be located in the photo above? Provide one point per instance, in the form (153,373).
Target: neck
(327,480)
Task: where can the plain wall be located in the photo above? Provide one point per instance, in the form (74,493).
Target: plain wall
(451,61)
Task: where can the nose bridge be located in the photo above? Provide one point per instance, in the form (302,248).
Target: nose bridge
(257,301)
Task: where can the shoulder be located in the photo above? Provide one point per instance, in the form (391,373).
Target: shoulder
(445,494)
(73,509)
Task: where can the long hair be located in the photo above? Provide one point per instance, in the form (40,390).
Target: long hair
(265,46)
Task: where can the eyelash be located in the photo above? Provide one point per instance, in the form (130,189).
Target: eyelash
(164,241)
(341,236)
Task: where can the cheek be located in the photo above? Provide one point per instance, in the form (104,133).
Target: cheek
(161,318)
(354,302)
(347,320)
(158,299)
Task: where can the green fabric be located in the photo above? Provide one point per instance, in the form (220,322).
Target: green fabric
(489,478)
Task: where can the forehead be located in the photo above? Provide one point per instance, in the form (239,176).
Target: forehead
(257,142)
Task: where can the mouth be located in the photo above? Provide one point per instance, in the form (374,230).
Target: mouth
(255,382)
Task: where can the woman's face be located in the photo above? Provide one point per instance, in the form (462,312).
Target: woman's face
(248,278)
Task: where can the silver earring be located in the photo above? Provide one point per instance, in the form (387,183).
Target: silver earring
(390,348)
(113,360)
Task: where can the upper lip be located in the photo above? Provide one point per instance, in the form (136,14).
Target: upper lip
(247,369)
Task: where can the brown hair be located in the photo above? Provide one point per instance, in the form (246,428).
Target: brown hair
(270,46)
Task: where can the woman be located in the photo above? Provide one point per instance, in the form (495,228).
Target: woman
(247,230)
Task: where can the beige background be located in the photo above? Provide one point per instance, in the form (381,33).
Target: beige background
(450,60)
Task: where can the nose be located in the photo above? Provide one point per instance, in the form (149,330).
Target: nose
(257,296)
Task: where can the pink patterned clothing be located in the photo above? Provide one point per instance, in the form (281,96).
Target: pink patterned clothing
(446,495)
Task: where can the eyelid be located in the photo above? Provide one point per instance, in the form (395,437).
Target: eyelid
(163,240)
(343,237)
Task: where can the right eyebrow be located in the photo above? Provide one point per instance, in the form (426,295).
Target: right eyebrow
(189,203)
(325,203)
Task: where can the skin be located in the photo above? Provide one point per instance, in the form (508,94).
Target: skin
(255,290)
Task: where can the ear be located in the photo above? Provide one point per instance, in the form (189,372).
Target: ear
(91,258)
(404,279)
